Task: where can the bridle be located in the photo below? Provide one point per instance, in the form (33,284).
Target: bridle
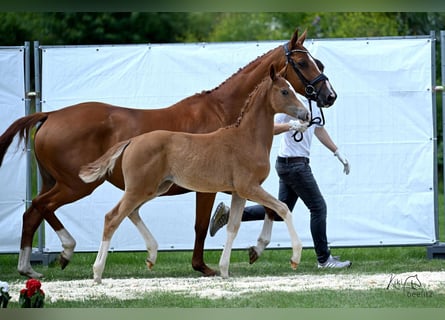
(311,92)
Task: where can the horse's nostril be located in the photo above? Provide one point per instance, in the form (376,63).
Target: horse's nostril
(332,97)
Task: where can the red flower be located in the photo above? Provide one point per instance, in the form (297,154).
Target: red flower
(32,296)
(33,286)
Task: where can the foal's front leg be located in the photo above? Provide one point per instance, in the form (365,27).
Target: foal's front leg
(260,196)
(236,211)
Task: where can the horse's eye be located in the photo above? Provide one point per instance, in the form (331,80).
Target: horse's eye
(284,92)
(302,64)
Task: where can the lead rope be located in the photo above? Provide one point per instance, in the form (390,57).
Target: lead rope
(317,120)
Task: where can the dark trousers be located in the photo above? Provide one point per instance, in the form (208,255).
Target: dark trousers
(297,181)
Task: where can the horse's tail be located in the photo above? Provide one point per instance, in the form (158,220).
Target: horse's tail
(97,169)
(22,127)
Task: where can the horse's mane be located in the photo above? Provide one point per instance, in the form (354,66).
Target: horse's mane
(237,72)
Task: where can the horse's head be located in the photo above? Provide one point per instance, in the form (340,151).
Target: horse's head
(308,77)
(284,98)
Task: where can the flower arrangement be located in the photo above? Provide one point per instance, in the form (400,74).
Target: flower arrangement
(4,294)
(32,296)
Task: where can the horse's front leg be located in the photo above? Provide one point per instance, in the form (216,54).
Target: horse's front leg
(263,240)
(236,212)
(204,204)
(150,242)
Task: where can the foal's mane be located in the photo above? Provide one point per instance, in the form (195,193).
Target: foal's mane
(258,90)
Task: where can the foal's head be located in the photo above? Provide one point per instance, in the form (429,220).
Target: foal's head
(283,97)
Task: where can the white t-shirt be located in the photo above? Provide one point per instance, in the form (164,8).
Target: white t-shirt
(288,146)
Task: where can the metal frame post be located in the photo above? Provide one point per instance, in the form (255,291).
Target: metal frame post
(437,250)
(38,255)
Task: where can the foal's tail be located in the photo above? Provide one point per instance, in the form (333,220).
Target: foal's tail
(22,127)
(97,169)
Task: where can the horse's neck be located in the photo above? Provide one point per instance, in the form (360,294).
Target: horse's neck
(208,111)
(233,92)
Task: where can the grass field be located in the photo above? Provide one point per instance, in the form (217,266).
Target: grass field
(388,260)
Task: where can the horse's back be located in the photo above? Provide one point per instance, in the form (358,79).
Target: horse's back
(78,134)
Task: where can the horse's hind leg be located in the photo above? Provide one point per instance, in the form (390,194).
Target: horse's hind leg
(31,220)
(150,241)
(204,204)
(43,206)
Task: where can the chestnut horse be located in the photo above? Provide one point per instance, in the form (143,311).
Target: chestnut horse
(232,159)
(73,136)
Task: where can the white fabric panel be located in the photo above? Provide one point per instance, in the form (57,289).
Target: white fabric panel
(382,121)
(13,169)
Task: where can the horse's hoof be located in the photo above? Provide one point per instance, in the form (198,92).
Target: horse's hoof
(31,274)
(253,255)
(149,264)
(63,262)
(206,271)
(293,265)
(209,273)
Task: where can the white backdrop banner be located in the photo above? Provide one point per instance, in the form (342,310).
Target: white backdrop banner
(13,169)
(382,121)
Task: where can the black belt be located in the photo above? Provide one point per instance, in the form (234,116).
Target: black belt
(292,159)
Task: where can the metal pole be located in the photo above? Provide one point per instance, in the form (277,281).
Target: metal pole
(27,112)
(434,110)
(442,70)
(38,109)
(437,250)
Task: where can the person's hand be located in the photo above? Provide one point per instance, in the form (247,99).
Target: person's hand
(343,160)
(296,125)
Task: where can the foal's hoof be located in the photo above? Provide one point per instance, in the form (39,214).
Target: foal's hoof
(149,264)
(63,262)
(253,255)
(293,265)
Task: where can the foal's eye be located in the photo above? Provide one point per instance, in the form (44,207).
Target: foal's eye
(284,92)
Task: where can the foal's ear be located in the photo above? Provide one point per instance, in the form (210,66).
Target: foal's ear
(272,72)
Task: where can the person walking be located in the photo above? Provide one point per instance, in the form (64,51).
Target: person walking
(296,181)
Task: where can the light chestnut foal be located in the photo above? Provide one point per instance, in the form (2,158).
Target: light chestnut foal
(232,159)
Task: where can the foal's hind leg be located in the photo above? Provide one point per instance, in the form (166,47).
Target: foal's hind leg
(113,219)
(150,241)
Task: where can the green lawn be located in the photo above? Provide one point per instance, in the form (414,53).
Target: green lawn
(369,260)
(273,262)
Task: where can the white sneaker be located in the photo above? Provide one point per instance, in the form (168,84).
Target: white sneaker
(334,263)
